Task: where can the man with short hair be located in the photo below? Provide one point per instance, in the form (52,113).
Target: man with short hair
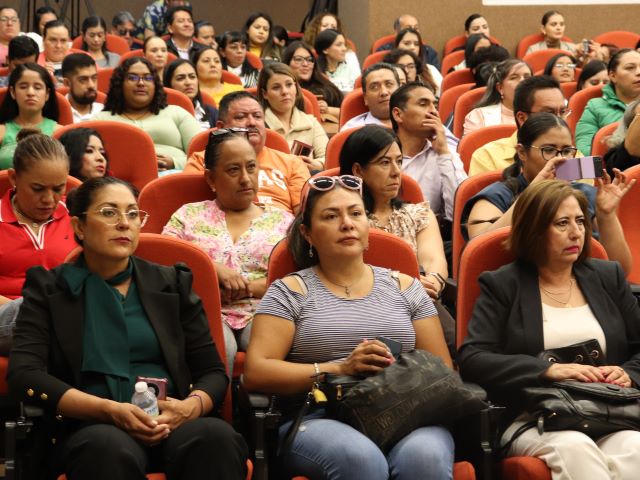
(180,24)
(282,175)
(22,49)
(153,21)
(409,21)
(429,150)
(81,77)
(123,25)
(532,95)
(9,29)
(379,81)
(205,33)
(55,40)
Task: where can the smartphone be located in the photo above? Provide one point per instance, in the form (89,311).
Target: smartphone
(577,168)
(301,148)
(394,347)
(158,385)
(585,46)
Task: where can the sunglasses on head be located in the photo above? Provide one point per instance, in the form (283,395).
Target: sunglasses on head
(326,183)
(219,134)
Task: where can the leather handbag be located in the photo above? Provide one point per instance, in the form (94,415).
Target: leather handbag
(588,352)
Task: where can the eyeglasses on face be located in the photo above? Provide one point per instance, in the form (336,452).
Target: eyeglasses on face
(5,19)
(134,78)
(125,32)
(303,60)
(326,183)
(548,152)
(562,112)
(114,216)
(570,66)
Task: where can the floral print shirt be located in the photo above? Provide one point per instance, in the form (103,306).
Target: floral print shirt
(204,224)
(406,222)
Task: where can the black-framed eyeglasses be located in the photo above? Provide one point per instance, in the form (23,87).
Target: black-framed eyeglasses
(548,152)
(303,60)
(148,78)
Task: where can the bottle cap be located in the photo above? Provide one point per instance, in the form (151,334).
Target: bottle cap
(141,387)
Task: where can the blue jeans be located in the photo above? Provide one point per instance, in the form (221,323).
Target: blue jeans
(326,449)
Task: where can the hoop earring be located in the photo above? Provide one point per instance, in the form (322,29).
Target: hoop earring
(310,251)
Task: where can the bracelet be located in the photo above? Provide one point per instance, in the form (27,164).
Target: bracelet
(201,402)
(316,367)
(439,278)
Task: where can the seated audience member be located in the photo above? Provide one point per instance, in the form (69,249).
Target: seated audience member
(496,105)
(593,74)
(235,232)
(259,31)
(476,24)
(155,50)
(87,155)
(81,78)
(9,29)
(553,295)
(410,39)
(402,74)
(180,25)
(56,45)
(532,95)
(329,21)
(430,56)
(283,103)
(473,43)
(429,150)
(544,141)
(209,70)
(373,154)
(43,15)
(312,321)
(280,37)
(379,81)
(205,33)
(116,329)
(282,175)
(413,67)
(22,49)
(300,57)
(30,102)
(561,67)
(482,63)
(94,41)
(624,151)
(123,25)
(624,88)
(233,53)
(153,21)
(181,75)
(136,97)
(552,28)
(331,49)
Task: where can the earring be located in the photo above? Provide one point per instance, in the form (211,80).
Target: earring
(366,247)
(310,251)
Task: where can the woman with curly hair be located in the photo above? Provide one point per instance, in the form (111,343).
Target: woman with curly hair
(136,97)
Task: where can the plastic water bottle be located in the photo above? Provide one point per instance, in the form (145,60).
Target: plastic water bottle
(145,399)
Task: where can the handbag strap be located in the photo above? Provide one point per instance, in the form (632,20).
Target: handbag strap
(295,425)
(502,450)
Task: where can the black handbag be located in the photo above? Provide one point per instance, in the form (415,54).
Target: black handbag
(588,352)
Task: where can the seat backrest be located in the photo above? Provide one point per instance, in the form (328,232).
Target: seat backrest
(458,77)
(334,147)
(619,38)
(486,253)
(311,105)
(463,106)
(274,140)
(254,60)
(72,182)
(174,97)
(373,58)
(352,105)
(101,97)
(404,259)
(381,41)
(459,41)
(599,146)
(449,97)
(163,196)
(569,88)
(451,60)
(578,102)
(479,138)
(114,44)
(538,60)
(132,155)
(529,40)
(228,77)
(628,215)
(4,71)
(467,189)
(140,53)
(208,99)
(104,79)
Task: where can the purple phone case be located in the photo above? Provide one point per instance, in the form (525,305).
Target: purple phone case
(579,168)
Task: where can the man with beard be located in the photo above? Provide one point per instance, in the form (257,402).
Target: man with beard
(81,78)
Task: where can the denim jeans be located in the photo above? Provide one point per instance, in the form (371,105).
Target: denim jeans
(326,449)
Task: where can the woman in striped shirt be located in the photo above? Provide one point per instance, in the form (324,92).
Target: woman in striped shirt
(322,319)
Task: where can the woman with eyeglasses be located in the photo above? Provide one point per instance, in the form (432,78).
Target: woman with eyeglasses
(235,231)
(88,329)
(325,318)
(412,66)
(209,70)
(233,53)
(94,41)
(300,57)
(561,67)
(624,88)
(283,103)
(544,142)
(136,97)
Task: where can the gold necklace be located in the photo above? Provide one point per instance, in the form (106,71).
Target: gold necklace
(33,224)
(553,296)
(347,288)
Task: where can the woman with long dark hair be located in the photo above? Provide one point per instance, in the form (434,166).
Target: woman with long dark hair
(258,29)
(233,48)
(410,39)
(87,154)
(94,41)
(331,49)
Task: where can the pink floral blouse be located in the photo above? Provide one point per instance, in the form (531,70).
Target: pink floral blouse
(203,223)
